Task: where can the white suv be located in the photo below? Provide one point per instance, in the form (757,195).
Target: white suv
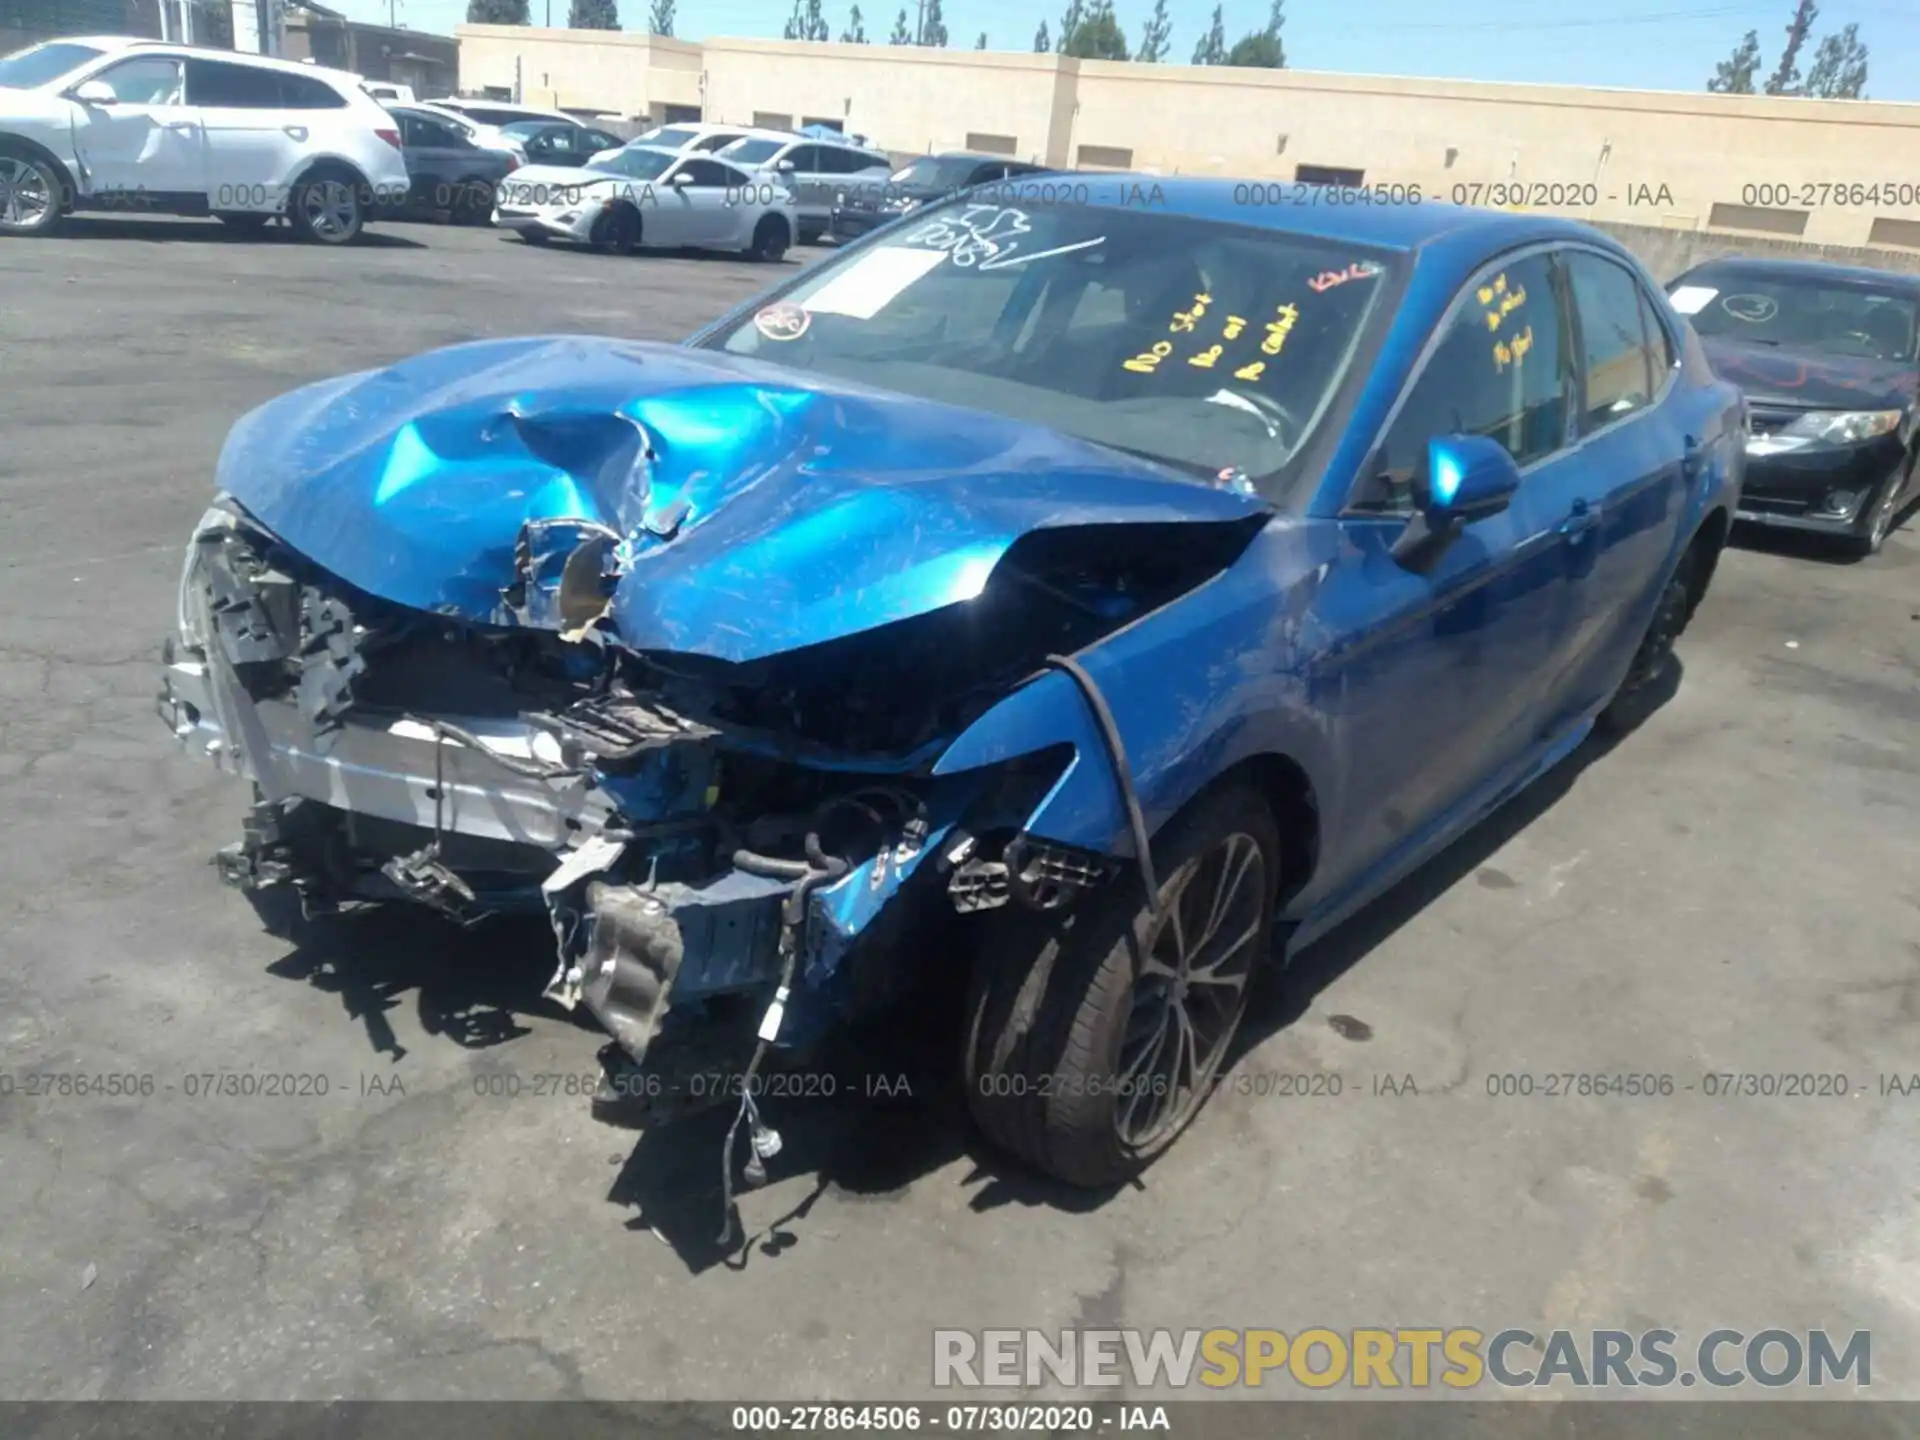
(120,124)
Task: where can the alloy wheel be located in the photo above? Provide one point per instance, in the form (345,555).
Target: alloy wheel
(330,209)
(1190,989)
(25,195)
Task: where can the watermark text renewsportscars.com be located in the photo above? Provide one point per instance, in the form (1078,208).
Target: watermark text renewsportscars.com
(1375,1359)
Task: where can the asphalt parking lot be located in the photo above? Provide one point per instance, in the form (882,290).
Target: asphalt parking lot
(1732,889)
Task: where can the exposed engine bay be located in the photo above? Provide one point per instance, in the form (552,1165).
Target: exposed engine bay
(714,843)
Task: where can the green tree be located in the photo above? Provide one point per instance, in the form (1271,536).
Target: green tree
(1098,36)
(1212,49)
(806,22)
(1041,43)
(901,35)
(1069,22)
(856,31)
(1839,68)
(498,12)
(981,43)
(660,18)
(1154,34)
(933,28)
(594,15)
(1734,75)
(1262,49)
(1785,79)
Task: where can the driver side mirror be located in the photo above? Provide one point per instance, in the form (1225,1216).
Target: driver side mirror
(96,92)
(785,167)
(1469,478)
(680,180)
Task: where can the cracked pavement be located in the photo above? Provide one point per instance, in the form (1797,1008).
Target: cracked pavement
(1732,889)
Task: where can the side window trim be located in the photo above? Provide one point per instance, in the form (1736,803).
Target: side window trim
(1436,337)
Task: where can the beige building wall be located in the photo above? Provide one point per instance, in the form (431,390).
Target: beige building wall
(612,71)
(1757,166)
(904,97)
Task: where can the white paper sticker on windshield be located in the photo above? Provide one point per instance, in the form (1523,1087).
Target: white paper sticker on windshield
(873,282)
(1692,299)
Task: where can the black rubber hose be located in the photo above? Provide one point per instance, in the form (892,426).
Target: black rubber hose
(824,868)
(1122,771)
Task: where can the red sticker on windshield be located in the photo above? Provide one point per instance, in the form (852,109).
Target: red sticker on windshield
(783,321)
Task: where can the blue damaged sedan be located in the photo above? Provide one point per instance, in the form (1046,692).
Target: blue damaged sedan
(1104,598)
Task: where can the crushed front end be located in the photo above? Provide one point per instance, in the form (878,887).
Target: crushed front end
(716,846)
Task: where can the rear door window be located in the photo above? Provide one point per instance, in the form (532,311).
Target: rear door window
(1620,374)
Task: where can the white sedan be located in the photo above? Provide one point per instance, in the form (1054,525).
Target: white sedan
(647,198)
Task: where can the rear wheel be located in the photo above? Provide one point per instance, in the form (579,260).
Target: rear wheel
(1636,698)
(30,196)
(327,209)
(1093,1041)
(770,239)
(472,203)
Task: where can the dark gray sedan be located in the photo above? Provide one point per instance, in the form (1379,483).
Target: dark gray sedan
(448,165)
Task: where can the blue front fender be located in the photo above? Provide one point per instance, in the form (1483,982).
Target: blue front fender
(1195,688)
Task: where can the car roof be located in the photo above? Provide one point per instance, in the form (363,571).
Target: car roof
(114,43)
(1758,267)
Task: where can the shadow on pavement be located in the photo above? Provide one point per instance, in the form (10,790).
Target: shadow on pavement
(884,1106)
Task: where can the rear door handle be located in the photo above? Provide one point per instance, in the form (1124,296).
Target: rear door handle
(1580,520)
(295,132)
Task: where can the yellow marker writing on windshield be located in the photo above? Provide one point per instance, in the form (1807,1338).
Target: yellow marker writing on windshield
(1185,320)
(1278,329)
(1206,358)
(1251,372)
(1234,326)
(1146,360)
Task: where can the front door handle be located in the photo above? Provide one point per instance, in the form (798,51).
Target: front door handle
(1580,520)
(295,132)
(1690,456)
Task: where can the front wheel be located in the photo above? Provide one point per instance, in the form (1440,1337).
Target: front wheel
(29,196)
(1093,1041)
(617,231)
(1880,518)
(327,210)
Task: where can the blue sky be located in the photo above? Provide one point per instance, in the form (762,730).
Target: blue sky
(1646,44)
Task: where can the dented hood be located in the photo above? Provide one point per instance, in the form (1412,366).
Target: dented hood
(757,509)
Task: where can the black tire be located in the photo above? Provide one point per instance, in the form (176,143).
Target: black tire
(1638,695)
(472,203)
(32,193)
(1877,524)
(770,239)
(242,223)
(1058,1006)
(328,207)
(533,237)
(617,231)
